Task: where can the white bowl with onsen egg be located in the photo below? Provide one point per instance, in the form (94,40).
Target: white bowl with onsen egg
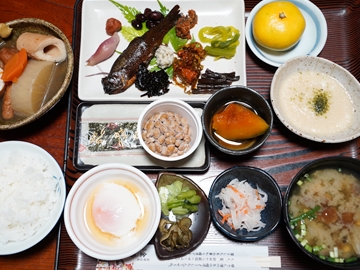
(169,129)
(112,211)
(317,99)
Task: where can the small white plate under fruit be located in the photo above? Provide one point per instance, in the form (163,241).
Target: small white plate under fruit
(311,43)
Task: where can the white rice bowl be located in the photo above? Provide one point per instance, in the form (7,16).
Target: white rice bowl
(32,195)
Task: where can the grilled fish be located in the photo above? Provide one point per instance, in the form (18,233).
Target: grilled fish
(140,50)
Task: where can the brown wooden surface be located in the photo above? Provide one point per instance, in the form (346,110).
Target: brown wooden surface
(281,156)
(49,132)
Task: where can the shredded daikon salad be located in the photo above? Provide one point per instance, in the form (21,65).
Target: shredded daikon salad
(242,205)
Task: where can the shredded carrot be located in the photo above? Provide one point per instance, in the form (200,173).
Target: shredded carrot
(242,205)
(225,218)
(15,67)
(257,194)
(245,208)
(236,191)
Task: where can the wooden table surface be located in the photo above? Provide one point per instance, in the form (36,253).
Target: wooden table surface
(49,132)
(281,156)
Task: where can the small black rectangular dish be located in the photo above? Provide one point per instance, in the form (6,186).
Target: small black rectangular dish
(105,134)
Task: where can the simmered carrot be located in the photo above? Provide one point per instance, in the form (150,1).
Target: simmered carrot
(15,67)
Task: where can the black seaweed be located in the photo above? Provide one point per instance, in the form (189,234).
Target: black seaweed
(156,83)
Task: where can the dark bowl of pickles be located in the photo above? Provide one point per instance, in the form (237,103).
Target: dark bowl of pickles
(185,216)
(237,120)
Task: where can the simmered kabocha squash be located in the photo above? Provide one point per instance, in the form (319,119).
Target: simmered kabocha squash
(236,122)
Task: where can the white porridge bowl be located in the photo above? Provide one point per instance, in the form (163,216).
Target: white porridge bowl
(112,211)
(177,139)
(32,192)
(317,99)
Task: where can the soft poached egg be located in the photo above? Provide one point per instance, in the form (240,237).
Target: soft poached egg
(116,209)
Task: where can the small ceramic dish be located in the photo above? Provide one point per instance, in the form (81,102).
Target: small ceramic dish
(246,97)
(200,219)
(112,211)
(319,180)
(177,109)
(257,178)
(63,71)
(297,107)
(311,43)
(40,175)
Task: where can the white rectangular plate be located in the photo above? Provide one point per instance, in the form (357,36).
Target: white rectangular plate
(210,13)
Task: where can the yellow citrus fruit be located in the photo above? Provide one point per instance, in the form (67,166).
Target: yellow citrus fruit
(278,25)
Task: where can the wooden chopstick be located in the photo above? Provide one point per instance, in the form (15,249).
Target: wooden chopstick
(268,262)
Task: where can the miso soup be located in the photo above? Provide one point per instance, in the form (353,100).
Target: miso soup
(324,214)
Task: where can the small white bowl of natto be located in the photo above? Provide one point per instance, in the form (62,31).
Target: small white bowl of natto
(169,130)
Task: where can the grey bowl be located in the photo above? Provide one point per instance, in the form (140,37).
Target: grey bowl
(271,215)
(345,163)
(241,94)
(39,26)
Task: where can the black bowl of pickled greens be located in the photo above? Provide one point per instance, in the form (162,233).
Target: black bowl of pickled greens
(185,217)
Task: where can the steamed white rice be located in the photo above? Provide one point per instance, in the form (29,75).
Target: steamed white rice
(27,196)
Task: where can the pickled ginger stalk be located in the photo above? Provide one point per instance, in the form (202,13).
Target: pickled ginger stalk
(105,50)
